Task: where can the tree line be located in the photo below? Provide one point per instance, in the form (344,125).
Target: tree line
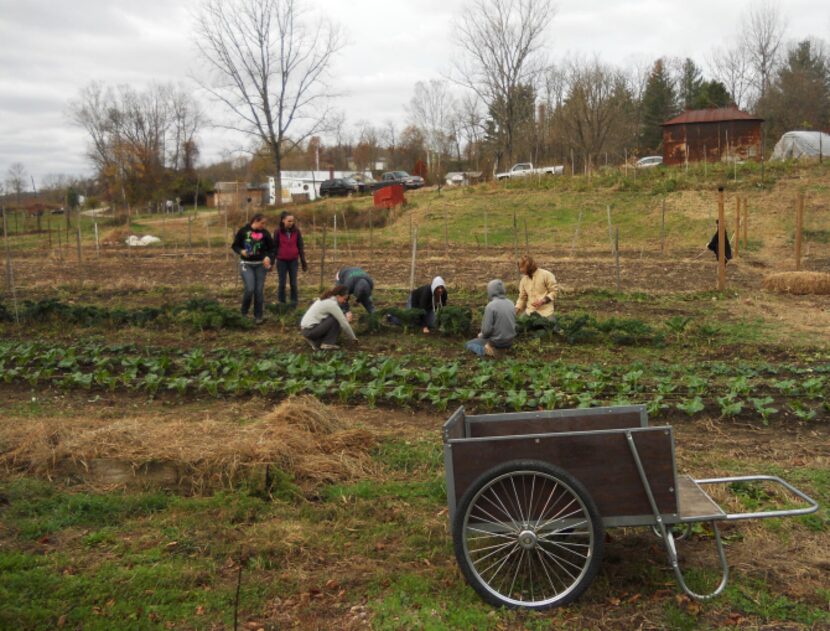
(268,64)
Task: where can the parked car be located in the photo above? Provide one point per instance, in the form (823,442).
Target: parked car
(339,186)
(649,161)
(522,169)
(364,182)
(399,177)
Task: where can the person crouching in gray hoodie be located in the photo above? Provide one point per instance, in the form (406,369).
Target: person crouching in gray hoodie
(498,327)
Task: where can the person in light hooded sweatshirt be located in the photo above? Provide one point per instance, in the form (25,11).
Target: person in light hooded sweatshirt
(498,327)
(431,298)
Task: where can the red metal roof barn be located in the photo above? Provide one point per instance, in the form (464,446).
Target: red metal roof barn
(714,134)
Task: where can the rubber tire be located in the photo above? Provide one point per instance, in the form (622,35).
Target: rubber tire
(576,488)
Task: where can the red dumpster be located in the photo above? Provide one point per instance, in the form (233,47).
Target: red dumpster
(389,196)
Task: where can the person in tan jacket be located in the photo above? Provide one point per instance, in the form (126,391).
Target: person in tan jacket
(537,289)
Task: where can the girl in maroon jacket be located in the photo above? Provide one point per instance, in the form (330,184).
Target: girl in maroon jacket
(290,253)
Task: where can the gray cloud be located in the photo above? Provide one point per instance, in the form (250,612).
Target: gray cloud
(52,48)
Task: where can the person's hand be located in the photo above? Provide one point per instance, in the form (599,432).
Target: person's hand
(349,316)
(267,263)
(305,267)
(426,329)
(538,303)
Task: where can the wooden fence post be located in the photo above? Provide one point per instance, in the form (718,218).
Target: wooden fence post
(576,233)
(617,254)
(323,256)
(10,268)
(485,229)
(799,228)
(610,229)
(746,223)
(78,233)
(515,238)
(414,254)
(345,229)
(227,245)
(663,228)
(97,241)
(446,233)
(335,235)
(737,225)
(721,242)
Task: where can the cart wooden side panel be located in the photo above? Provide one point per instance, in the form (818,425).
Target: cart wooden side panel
(601,460)
(580,420)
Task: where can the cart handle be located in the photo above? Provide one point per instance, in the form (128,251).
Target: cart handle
(668,537)
(791,512)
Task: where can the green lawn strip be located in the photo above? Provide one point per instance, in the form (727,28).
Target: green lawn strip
(131,559)
(753,597)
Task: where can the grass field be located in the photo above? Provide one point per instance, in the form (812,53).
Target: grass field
(166,464)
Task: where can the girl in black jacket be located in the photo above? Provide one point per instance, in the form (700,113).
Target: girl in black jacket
(255,248)
(430,298)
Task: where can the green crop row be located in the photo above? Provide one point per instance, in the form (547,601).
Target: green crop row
(198,313)
(762,390)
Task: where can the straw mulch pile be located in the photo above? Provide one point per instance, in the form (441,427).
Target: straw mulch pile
(798,283)
(301,437)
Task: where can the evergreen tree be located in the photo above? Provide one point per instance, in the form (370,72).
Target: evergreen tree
(659,104)
(800,95)
(711,94)
(690,84)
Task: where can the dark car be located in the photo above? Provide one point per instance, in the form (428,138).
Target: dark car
(339,186)
(400,177)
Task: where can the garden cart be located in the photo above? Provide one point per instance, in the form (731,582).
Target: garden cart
(530,495)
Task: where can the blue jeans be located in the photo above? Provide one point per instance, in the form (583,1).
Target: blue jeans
(363,295)
(290,268)
(476,345)
(253,278)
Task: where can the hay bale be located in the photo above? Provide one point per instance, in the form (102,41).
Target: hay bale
(799,283)
(307,413)
(302,437)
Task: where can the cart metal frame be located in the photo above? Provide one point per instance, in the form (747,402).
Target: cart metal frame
(505,472)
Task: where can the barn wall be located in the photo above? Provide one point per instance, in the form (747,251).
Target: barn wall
(714,141)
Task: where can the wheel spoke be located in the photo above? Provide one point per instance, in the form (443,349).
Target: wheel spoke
(528,538)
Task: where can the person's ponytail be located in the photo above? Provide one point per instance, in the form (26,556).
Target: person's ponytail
(337,290)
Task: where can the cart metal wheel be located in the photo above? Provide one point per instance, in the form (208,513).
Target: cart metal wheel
(527,534)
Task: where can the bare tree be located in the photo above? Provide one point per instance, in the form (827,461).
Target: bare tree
(471,127)
(730,66)
(430,109)
(137,137)
(761,37)
(595,107)
(17,180)
(268,63)
(501,42)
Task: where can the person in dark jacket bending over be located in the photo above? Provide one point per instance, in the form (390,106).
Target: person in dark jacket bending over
(431,298)
(498,327)
(255,248)
(290,254)
(359,284)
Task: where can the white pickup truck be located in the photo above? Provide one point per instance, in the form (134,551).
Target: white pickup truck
(521,169)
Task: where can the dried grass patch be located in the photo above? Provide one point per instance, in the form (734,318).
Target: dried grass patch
(800,283)
(301,437)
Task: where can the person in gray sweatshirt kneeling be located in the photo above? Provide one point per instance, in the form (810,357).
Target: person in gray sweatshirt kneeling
(322,323)
(498,327)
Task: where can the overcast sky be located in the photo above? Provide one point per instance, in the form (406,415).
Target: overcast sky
(51,48)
